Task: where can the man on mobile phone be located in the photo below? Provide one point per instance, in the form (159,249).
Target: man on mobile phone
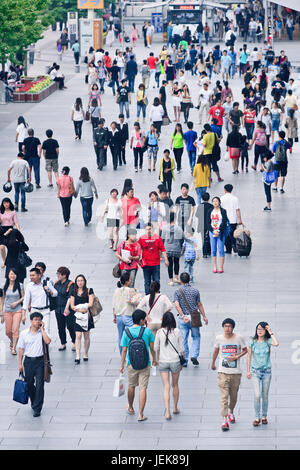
(31,346)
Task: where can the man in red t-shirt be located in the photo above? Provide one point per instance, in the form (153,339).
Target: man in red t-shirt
(217,111)
(151,63)
(151,245)
(130,264)
(131,206)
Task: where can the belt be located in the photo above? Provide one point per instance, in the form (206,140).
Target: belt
(33,358)
(40,308)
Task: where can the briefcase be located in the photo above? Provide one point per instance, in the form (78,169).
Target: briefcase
(20,390)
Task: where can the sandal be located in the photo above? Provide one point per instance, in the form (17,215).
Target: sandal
(130,412)
(264,421)
(13,352)
(256,422)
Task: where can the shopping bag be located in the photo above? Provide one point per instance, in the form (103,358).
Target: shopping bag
(226,156)
(20,390)
(2,352)
(119,387)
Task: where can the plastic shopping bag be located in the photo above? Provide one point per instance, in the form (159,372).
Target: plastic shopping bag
(119,387)
(226,157)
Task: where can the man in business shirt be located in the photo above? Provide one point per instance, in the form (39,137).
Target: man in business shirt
(124,136)
(37,296)
(31,345)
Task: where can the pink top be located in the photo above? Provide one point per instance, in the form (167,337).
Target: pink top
(65,182)
(8,219)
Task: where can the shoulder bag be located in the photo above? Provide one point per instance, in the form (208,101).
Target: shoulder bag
(153,305)
(47,365)
(96,308)
(116,272)
(195,314)
(181,357)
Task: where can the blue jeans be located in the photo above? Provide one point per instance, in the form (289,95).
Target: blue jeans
(189,268)
(232,70)
(185,328)
(86,203)
(131,83)
(200,191)
(141,107)
(35,163)
(261,381)
(151,273)
(217,242)
(114,83)
(20,187)
(192,157)
(200,38)
(124,105)
(122,322)
(101,82)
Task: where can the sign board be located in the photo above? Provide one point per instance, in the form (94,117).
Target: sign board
(98,34)
(90,4)
(72,26)
(157,22)
(85,35)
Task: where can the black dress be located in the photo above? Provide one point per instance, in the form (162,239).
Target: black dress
(15,243)
(83,299)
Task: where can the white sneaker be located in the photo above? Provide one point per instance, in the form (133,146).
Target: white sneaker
(171,283)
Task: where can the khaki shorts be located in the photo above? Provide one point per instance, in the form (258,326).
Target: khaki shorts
(52,164)
(138,378)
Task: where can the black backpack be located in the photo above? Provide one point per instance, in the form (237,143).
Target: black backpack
(137,350)
(216,151)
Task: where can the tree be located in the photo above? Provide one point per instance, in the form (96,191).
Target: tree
(22,23)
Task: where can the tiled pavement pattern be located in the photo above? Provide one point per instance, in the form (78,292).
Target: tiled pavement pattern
(79,410)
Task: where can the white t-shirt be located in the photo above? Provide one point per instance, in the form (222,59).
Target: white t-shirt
(228,348)
(205,95)
(22,131)
(98,56)
(162,305)
(230,203)
(113,209)
(19,170)
(166,352)
(78,115)
(266,120)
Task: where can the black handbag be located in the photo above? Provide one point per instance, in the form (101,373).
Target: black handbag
(181,357)
(24,259)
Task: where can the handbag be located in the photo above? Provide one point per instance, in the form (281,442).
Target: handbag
(165,120)
(270,177)
(181,357)
(24,259)
(96,308)
(47,365)
(87,114)
(116,272)
(195,314)
(20,394)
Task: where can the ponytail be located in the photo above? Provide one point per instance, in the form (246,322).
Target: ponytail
(154,289)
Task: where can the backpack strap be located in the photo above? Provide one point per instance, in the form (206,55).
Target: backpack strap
(128,333)
(141,332)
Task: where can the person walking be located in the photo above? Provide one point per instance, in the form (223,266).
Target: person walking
(76,50)
(166,171)
(173,236)
(129,253)
(189,138)
(291,125)
(260,140)
(65,192)
(15,244)
(125,300)
(123,97)
(114,143)
(31,346)
(201,174)
(86,188)
(94,114)
(152,146)
(190,251)
(175,91)
(131,71)
(113,209)
(77,117)
(141,102)
(65,318)
(11,308)
(32,150)
(231,347)
(124,137)
(134,34)
(156,115)
(50,149)
(19,172)
(138,377)
(177,145)
(81,300)
(152,250)
(233,146)
(8,220)
(259,369)
(37,296)
(100,138)
(280,149)
(21,132)
(217,222)
(168,344)
(187,301)
(137,142)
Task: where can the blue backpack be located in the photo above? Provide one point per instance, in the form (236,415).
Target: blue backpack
(137,350)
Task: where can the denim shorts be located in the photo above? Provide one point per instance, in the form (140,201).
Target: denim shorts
(275,125)
(173,367)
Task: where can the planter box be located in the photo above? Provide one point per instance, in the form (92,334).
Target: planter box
(36,97)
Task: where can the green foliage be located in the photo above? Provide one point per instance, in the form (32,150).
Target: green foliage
(21,23)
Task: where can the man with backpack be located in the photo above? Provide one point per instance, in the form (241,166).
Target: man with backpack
(217,58)
(137,340)
(281,162)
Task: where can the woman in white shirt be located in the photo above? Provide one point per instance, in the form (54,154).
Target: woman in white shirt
(156,115)
(77,117)
(169,343)
(155,305)
(125,300)
(121,64)
(21,132)
(113,209)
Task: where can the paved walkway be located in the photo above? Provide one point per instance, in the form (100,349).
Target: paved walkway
(79,410)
